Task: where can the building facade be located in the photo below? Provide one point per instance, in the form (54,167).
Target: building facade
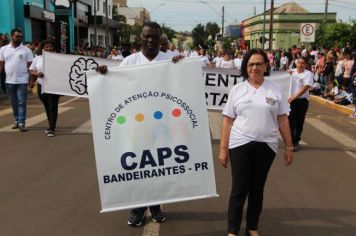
(84,21)
(286,26)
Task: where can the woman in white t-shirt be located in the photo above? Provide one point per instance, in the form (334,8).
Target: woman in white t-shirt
(253,115)
(50,101)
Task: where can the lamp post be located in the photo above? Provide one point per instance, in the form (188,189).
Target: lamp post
(222,15)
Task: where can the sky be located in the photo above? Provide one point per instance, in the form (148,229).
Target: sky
(184,15)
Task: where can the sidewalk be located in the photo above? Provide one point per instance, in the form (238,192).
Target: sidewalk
(344,109)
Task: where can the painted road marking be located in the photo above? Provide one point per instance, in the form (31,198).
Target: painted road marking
(351,154)
(85,128)
(69,101)
(34,120)
(334,134)
(151,228)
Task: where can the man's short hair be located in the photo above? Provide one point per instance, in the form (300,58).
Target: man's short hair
(16,30)
(153,25)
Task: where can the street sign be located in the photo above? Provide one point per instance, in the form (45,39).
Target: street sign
(307,32)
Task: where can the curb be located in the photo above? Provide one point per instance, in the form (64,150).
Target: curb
(344,109)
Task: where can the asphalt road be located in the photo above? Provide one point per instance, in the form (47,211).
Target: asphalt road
(48,186)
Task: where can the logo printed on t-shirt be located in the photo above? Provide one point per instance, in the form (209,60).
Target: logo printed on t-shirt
(271,101)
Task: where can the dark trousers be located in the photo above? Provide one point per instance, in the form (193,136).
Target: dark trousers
(250,164)
(50,102)
(142,210)
(299,108)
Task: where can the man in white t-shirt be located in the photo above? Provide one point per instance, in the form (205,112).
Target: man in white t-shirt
(302,81)
(150,52)
(17,59)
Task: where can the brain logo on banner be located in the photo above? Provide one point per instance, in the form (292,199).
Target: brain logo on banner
(77,75)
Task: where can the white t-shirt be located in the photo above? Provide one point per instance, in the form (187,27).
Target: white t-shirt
(299,80)
(217,60)
(238,63)
(225,64)
(172,54)
(255,112)
(284,60)
(37,65)
(16,60)
(138,58)
(205,60)
(339,71)
(118,57)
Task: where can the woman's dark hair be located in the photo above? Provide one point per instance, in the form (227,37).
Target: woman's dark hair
(42,44)
(247,57)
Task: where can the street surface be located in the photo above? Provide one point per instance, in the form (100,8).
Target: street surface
(48,186)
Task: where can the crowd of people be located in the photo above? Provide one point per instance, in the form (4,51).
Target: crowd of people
(253,115)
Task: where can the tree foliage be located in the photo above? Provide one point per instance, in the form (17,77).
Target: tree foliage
(199,35)
(212,29)
(169,32)
(337,34)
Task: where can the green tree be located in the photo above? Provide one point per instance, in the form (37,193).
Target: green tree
(199,35)
(212,29)
(169,32)
(336,34)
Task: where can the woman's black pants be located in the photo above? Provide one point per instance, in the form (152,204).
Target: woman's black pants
(250,164)
(50,102)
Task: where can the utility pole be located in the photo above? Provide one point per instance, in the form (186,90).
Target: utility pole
(326,11)
(271,26)
(94,23)
(264,24)
(222,21)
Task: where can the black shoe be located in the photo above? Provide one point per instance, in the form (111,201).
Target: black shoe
(50,133)
(158,216)
(22,128)
(136,218)
(16,126)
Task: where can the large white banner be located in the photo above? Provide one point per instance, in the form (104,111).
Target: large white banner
(65,73)
(218,83)
(151,135)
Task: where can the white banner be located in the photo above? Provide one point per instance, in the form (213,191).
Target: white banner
(151,135)
(65,73)
(218,83)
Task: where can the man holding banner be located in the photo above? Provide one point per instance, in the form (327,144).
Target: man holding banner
(150,45)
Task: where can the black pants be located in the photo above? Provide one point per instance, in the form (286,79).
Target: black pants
(142,210)
(50,102)
(299,108)
(250,164)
